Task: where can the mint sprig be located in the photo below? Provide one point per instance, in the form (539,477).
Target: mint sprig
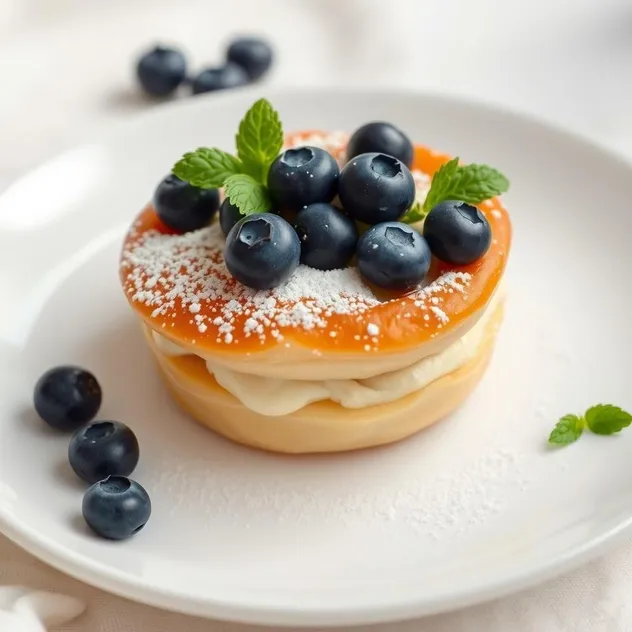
(258,143)
(472,184)
(603,419)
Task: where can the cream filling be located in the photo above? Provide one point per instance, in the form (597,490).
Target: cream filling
(273,397)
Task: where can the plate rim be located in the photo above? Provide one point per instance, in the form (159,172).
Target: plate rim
(126,586)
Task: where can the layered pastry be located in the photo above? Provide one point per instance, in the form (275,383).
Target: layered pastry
(346,295)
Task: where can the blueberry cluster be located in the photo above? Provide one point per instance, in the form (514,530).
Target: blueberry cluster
(162,70)
(102,453)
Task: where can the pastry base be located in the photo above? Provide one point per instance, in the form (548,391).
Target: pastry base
(323,426)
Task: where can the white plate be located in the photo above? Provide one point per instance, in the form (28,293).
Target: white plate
(471,509)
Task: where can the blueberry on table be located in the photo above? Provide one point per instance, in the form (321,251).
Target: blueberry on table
(102,449)
(229,215)
(457,232)
(116,508)
(302,176)
(161,70)
(183,207)
(254,55)
(67,397)
(328,237)
(393,256)
(376,188)
(381,138)
(222,78)
(262,251)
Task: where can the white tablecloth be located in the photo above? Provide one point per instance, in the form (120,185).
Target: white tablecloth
(65,68)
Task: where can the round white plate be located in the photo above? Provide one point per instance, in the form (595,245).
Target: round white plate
(470,509)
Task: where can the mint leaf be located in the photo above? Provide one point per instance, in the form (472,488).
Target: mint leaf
(248,195)
(207,168)
(604,419)
(259,139)
(472,184)
(414,214)
(567,430)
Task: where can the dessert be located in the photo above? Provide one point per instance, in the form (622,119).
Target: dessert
(320,312)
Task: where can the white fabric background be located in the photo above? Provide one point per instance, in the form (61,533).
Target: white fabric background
(65,69)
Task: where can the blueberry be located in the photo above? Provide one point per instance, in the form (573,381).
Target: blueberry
(67,397)
(393,256)
(102,449)
(381,138)
(229,215)
(303,176)
(184,207)
(262,251)
(457,232)
(328,237)
(252,54)
(222,78)
(116,508)
(376,188)
(161,70)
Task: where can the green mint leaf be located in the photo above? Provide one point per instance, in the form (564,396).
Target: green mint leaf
(567,430)
(472,184)
(259,139)
(414,214)
(604,419)
(207,168)
(248,195)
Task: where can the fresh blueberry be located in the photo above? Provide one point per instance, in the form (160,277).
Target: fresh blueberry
(67,397)
(262,251)
(184,207)
(116,508)
(381,138)
(102,449)
(229,215)
(328,237)
(302,176)
(222,78)
(376,188)
(161,70)
(252,54)
(457,232)
(393,256)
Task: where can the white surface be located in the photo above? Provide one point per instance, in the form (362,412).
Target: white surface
(470,509)
(65,69)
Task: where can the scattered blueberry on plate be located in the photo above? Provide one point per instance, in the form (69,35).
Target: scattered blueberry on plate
(376,188)
(302,176)
(161,70)
(381,138)
(262,251)
(253,54)
(102,449)
(116,508)
(457,232)
(229,215)
(67,397)
(222,78)
(393,256)
(328,237)
(183,207)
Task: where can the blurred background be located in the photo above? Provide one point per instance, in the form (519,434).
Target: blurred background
(67,66)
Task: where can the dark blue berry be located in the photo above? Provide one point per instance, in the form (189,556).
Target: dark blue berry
(393,256)
(328,237)
(222,78)
(302,176)
(376,188)
(161,70)
(457,232)
(262,251)
(116,508)
(381,138)
(184,207)
(67,397)
(229,215)
(252,54)
(102,449)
